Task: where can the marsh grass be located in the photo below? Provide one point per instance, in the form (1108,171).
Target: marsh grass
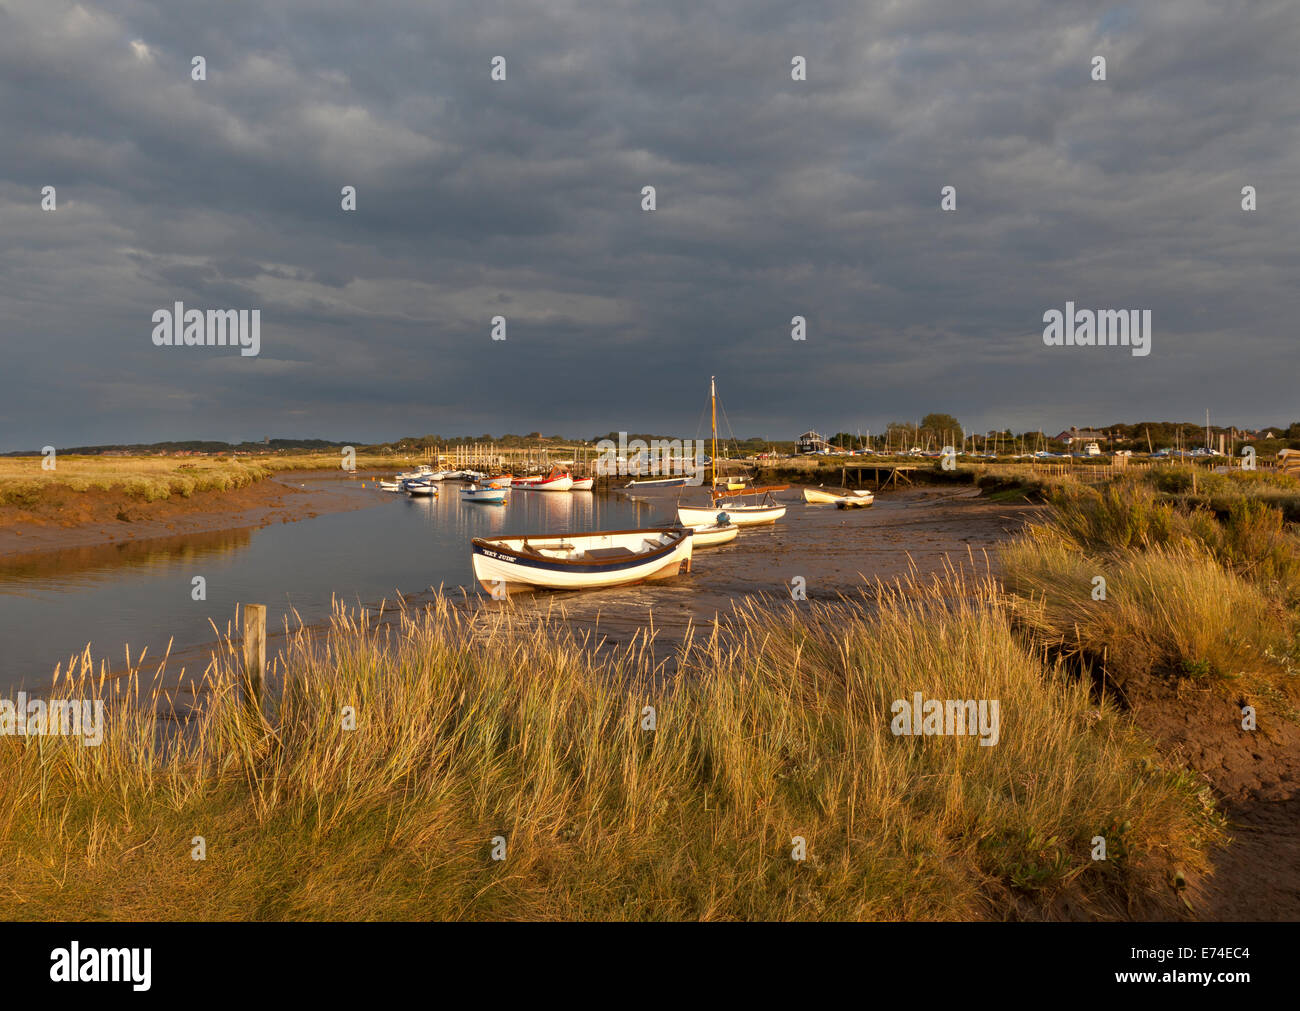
(1188,592)
(23,483)
(472,725)
(154,478)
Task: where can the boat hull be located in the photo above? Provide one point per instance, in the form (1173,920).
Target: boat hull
(665,482)
(488,496)
(553,484)
(583,483)
(818,496)
(742,516)
(714,534)
(580,561)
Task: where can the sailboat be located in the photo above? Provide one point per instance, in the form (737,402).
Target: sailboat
(766,510)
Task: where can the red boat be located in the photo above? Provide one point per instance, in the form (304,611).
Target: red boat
(556,480)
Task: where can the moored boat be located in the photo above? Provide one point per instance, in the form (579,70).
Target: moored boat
(556,480)
(854,501)
(712,534)
(741,515)
(659,482)
(421,489)
(489,496)
(579,561)
(497,481)
(583,483)
(767,509)
(819,496)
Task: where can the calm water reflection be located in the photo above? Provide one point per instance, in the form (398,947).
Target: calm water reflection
(139,593)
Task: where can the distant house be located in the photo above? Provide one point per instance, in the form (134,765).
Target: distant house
(812,442)
(1080,435)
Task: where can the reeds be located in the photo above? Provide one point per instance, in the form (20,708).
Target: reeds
(473,726)
(1142,585)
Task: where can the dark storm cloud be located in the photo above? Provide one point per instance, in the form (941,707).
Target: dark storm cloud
(776,198)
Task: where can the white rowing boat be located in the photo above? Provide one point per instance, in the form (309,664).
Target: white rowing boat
(505,565)
(741,515)
(712,534)
(819,496)
(583,483)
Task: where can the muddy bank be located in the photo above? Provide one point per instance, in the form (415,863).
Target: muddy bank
(1255,776)
(66,519)
(835,552)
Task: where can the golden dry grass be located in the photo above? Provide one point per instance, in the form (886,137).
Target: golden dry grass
(470,726)
(23,481)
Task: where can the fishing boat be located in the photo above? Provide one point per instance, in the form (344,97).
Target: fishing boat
(580,561)
(583,483)
(819,496)
(556,480)
(766,510)
(712,534)
(489,496)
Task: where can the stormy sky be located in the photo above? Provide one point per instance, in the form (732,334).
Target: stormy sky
(523,198)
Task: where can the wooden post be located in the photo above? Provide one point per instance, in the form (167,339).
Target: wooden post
(254,652)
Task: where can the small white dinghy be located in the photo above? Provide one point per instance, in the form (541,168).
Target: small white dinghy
(713,534)
(391,485)
(854,501)
(579,561)
(819,496)
(583,483)
(421,490)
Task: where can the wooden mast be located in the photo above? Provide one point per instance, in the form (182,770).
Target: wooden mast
(713,404)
